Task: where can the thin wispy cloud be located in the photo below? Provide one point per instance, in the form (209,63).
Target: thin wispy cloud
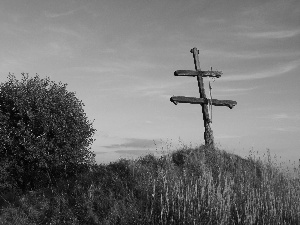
(63,31)
(279,128)
(274,34)
(226,136)
(283,116)
(58,49)
(8,64)
(287,129)
(226,92)
(134,143)
(14,63)
(100,153)
(252,54)
(150,93)
(133,152)
(116,66)
(279,116)
(151,90)
(234,90)
(96,69)
(280,70)
(12,29)
(62,14)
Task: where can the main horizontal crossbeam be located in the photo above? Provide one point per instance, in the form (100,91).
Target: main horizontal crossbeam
(193,100)
(194,73)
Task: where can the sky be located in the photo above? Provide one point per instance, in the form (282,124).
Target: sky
(120,57)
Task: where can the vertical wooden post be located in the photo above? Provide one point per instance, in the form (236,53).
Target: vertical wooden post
(208,133)
(203,101)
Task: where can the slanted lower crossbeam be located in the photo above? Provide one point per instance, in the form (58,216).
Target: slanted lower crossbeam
(193,73)
(192,100)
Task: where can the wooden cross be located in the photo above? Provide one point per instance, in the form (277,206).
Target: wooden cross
(203,101)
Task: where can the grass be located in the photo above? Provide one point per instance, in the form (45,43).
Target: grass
(188,186)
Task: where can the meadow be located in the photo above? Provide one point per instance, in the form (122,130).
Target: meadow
(188,186)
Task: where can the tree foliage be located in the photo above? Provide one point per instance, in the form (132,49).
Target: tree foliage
(43,129)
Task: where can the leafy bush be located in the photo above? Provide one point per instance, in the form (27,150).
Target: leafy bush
(44,132)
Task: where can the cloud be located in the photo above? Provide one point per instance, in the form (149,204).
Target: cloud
(8,64)
(274,34)
(62,30)
(226,136)
(100,153)
(150,91)
(252,53)
(101,133)
(134,143)
(133,152)
(62,14)
(255,54)
(226,90)
(161,89)
(284,119)
(281,116)
(57,49)
(287,129)
(280,70)
(116,66)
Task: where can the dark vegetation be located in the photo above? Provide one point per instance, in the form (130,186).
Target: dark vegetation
(187,186)
(44,134)
(205,186)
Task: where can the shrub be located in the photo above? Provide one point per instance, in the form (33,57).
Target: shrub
(43,129)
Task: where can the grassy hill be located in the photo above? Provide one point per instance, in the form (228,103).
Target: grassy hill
(189,186)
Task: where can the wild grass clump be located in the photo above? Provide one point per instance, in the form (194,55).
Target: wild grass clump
(189,186)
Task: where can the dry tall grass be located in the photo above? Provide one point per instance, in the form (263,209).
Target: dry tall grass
(189,186)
